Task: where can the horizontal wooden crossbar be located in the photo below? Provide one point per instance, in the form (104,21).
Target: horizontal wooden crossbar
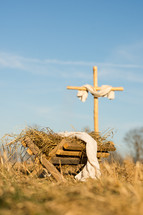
(97,88)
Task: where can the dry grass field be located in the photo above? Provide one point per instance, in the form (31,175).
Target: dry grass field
(119,191)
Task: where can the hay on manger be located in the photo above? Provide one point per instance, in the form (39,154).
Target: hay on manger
(58,154)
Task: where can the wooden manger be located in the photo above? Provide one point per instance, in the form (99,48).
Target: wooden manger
(69,152)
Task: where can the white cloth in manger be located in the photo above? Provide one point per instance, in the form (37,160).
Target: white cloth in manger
(92,168)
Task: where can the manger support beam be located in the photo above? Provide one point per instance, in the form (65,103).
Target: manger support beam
(109,146)
(74,161)
(72,146)
(49,166)
(68,161)
(58,147)
(78,154)
(68,153)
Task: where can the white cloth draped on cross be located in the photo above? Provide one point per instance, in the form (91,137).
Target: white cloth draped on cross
(106,91)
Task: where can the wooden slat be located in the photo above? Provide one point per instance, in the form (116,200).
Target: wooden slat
(69,153)
(59,146)
(49,166)
(72,146)
(78,154)
(109,146)
(73,161)
(68,161)
(103,154)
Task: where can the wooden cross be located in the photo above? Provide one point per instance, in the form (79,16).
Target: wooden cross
(95,85)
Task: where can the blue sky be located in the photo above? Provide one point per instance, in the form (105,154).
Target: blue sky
(46,45)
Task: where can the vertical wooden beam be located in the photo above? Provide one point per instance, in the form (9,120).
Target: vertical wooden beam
(95,84)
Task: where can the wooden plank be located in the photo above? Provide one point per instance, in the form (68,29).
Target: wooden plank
(72,146)
(78,154)
(103,154)
(109,146)
(68,161)
(49,166)
(74,161)
(59,146)
(69,153)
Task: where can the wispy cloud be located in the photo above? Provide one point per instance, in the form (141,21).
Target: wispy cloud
(71,69)
(15,61)
(10,61)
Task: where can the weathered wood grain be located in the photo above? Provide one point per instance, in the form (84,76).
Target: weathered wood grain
(47,164)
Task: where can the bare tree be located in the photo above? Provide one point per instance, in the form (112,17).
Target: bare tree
(134,140)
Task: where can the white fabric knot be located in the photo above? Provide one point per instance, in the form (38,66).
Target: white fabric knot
(106,91)
(92,168)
